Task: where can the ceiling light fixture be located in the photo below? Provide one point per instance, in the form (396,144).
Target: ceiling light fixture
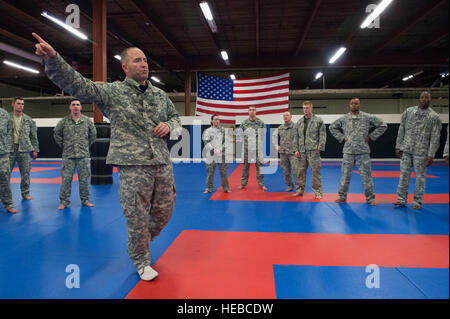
(318,75)
(65,26)
(224,55)
(208,15)
(118,57)
(337,55)
(18,66)
(233,77)
(375,13)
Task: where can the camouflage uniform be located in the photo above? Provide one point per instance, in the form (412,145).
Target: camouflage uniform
(446,145)
(315,139)
(356,150)
(143,159)
(252,150)
(287,134)
(75,138)
(28,142)
(6,127)
(214,139)
(418,138)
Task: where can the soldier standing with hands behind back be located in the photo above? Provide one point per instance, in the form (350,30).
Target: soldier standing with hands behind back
(417,142)
(6,128)
(312,136)
(75,133)
(288,146)
(24,141)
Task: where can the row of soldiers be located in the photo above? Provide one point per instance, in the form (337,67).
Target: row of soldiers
(74,134)
(300,144)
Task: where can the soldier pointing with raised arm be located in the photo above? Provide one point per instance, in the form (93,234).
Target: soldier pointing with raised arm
(141,115)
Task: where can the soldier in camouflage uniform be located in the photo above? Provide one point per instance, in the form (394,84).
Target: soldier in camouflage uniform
(24,141)
(353,128)
(417,142)
(6,127)
(445,154)
(214,138)
(251,129)
(142,116)
(287,147)
(312,136)
(74,134)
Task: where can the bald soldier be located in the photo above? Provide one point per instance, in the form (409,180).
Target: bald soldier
(141,118)
(417,142)
(354,129)
(287,148)
(312,136)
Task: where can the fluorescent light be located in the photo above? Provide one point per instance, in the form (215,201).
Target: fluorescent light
(154,78)
(337,55)
(65,26)
(233,77)
(208,15)
(224,55)
(406,78)
(206,11)
(318,75)
(443,75)
(375,13)
(20,67)
(118,57)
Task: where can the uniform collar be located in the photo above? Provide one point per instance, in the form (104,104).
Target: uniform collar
(136,84)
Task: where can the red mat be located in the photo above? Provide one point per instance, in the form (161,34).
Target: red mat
(239,265)
(253,193)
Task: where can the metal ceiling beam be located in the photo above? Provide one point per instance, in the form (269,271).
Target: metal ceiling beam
(420,14)
(157,25)
(308,26)
(257,26)
(439,36)
(358,59)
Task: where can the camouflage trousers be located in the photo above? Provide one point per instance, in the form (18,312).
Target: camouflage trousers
(246,169)
(24,161)
(83,166)
(407,162)
(290,164)
(311,158)
(147,196)
(210,170)
(363,163)
(5,188)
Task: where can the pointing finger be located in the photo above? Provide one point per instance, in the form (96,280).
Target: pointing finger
(37,37)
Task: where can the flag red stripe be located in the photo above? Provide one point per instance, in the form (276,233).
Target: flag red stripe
(262,90)
(277,111)
(257,98)
(241,107)
(259,83)
(265,77)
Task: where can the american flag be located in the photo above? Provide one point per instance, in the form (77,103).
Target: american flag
(229,98)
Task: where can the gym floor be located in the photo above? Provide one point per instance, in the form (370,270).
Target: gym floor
(245,244)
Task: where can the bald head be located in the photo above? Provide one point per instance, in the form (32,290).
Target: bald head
(134,64)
